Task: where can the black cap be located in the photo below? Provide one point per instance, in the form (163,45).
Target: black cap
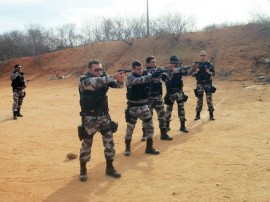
(17,66)
(174,60)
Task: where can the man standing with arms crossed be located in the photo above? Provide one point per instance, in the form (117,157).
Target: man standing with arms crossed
(18,87)
(203,74)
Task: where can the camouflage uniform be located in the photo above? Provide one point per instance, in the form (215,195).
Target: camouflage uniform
(18,86)
(204,84)
(137,96)
(139,108)
(174,93)
(155,100)
(18,96)
(95,116)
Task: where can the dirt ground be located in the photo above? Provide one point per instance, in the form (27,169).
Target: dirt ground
(223,160)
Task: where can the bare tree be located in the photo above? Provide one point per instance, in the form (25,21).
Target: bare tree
(174,24)
(108,29)
(86,34)
(35,40)
(260,16)
(119,24)
(38,40)
(66,35)
(12,45)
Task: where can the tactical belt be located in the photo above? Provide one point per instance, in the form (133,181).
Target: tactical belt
(130,104)
(95,113)
(204,82)
(18,88)
(173,90)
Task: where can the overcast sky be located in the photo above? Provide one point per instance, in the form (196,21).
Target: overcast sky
(17,14)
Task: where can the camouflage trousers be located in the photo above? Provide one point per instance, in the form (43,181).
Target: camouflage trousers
(179,98)
(18,96)
(156,102)
(201,88)
(144,114)
(92,125)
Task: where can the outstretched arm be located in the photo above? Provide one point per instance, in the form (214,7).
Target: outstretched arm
(93,83)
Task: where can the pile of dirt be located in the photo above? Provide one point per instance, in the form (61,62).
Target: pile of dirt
(239,53)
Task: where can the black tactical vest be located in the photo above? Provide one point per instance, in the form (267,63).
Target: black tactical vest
(18,82)
(138,92)
(94,100)
(202,76)
(175,83)
(155,88)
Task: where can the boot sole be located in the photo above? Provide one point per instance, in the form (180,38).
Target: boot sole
(83,178)
(114,176)
(166,139)
(152,153)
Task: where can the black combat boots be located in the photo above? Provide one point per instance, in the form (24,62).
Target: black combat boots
(183,127)
(164,135)
(197,116)
(110,171)
(168,126)
(83,171)
(19,113)
(127,151)
(149,147)
(14,115)
(143,136)
(211,115)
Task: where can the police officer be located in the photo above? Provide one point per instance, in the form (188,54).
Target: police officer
(93,87)
(18,86)
(155,100)
(175,92)
(203,73)
(137,106)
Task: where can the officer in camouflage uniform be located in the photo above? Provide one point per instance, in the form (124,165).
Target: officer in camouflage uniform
(175,92)
(155,100)
(137,95)
(18,86)
(203,73)
(93,87)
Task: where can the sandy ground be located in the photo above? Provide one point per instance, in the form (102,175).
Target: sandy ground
(223,160)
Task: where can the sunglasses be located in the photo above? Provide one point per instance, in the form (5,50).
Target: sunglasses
(202,55)
(97,70)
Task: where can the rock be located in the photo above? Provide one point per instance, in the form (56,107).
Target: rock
(72,156)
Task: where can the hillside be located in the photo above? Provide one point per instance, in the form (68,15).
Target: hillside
(238,53)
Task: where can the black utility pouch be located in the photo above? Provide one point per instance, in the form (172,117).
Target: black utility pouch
(114,126)
(213,89)
(81,133)
(127,115)
(167,100)
(195,92)
(185,98)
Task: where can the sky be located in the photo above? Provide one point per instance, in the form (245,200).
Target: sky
(18,14)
